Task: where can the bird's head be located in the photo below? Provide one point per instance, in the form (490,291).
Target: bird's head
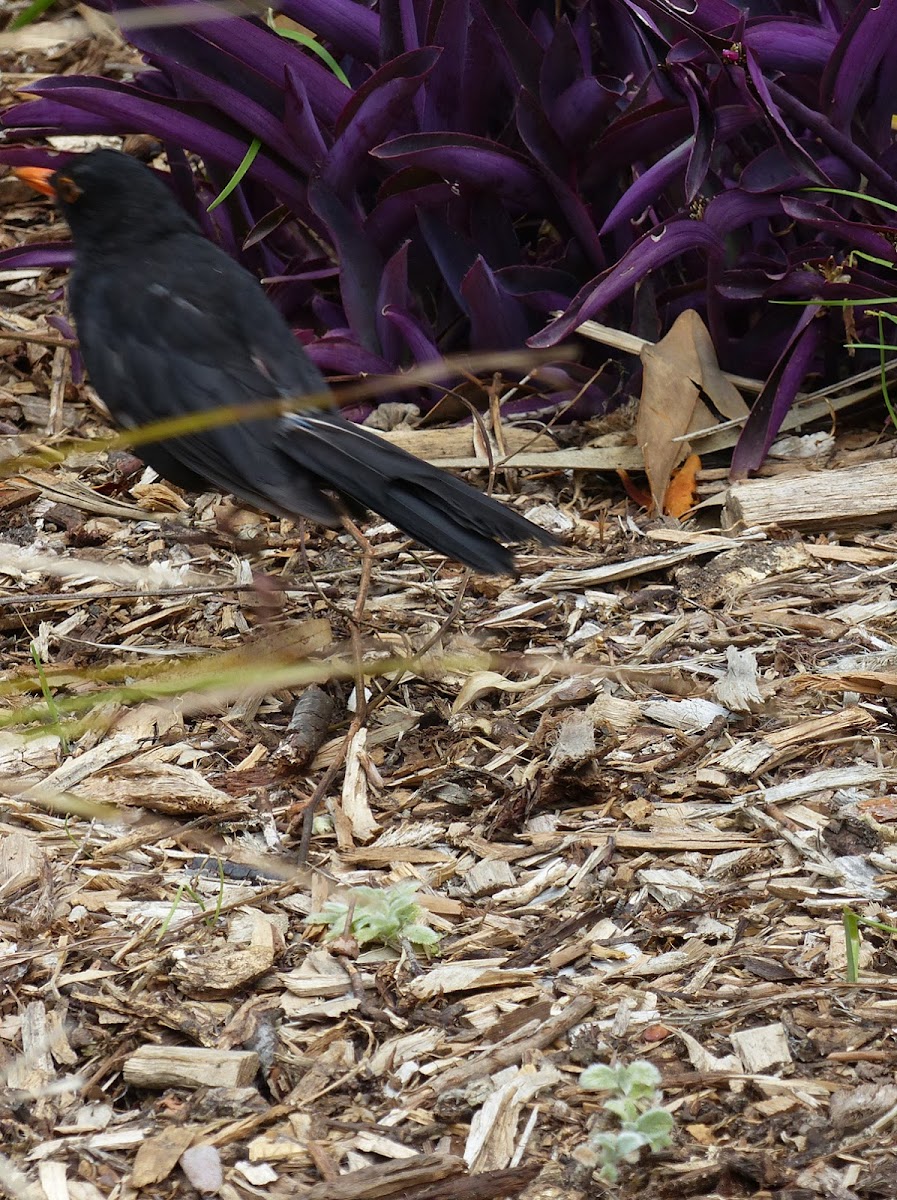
(108,198)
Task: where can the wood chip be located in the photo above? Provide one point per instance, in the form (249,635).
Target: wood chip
(157,1067)
(862,495)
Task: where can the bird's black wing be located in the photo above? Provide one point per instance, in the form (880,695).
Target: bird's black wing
(181,328)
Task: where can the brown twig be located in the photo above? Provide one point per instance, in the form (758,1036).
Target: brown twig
(367,560)
(9,334)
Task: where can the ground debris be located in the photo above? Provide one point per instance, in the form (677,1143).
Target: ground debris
(635,790)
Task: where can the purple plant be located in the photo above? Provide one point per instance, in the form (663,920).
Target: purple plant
(493,162)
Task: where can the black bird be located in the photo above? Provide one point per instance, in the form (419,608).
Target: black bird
(169,324)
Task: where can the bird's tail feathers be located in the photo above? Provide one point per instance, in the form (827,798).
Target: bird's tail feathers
(426,503)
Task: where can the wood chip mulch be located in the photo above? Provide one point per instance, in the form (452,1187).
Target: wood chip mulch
(636,789)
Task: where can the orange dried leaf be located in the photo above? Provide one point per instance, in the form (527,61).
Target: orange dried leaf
(636,494)
(682,492)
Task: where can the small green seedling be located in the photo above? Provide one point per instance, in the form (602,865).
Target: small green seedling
(634,1103)
(183,888)
(853,923)
(390,916)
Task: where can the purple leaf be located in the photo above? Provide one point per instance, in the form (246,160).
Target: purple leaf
(648,187)
(877,240)
(757,86)
(522,50)
(37,254)
(62,326)
(29,156)
(396,213)
(348,26)
(789,44)
(453,252)
(660,246)
(575,404)
(735,208)
(773,171)
(712,15)
(393,292)
(842,145)
(769,409)
(257,120)
(497,321)
(624,50)
(360,264)
(372,113)
(328,272)
(183,181)
(419,342)
(473,161)
(43,118)
(448,79)
(300,124)
(491,227)
(582,33)
(540,139)
(187,47)
(562,65)
(485,89)
(542,288)
(689,22)
(124,107)
(545,147)
(640,134)
(399,30)
(577,113)
(868,37)
(268,54)
(341,356)
(704,131)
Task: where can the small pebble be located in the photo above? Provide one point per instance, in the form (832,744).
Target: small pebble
(202,1166)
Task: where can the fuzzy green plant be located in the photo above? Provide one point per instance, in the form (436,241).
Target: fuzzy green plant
(633,1107)
(390,916)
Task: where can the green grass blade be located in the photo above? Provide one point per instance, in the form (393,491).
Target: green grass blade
(312,44)
(839,303)
(852,943)
(884,371)
(879,262)
(35,9)
(174,907)
(854,196)
(248,159)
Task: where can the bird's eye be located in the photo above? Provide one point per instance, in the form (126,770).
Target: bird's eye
(66,189)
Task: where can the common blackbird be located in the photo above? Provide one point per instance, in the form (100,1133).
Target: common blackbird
(169,324)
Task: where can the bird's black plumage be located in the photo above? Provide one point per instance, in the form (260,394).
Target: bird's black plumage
(169,324)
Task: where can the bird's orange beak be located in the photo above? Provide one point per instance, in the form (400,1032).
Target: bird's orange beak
(37,177)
